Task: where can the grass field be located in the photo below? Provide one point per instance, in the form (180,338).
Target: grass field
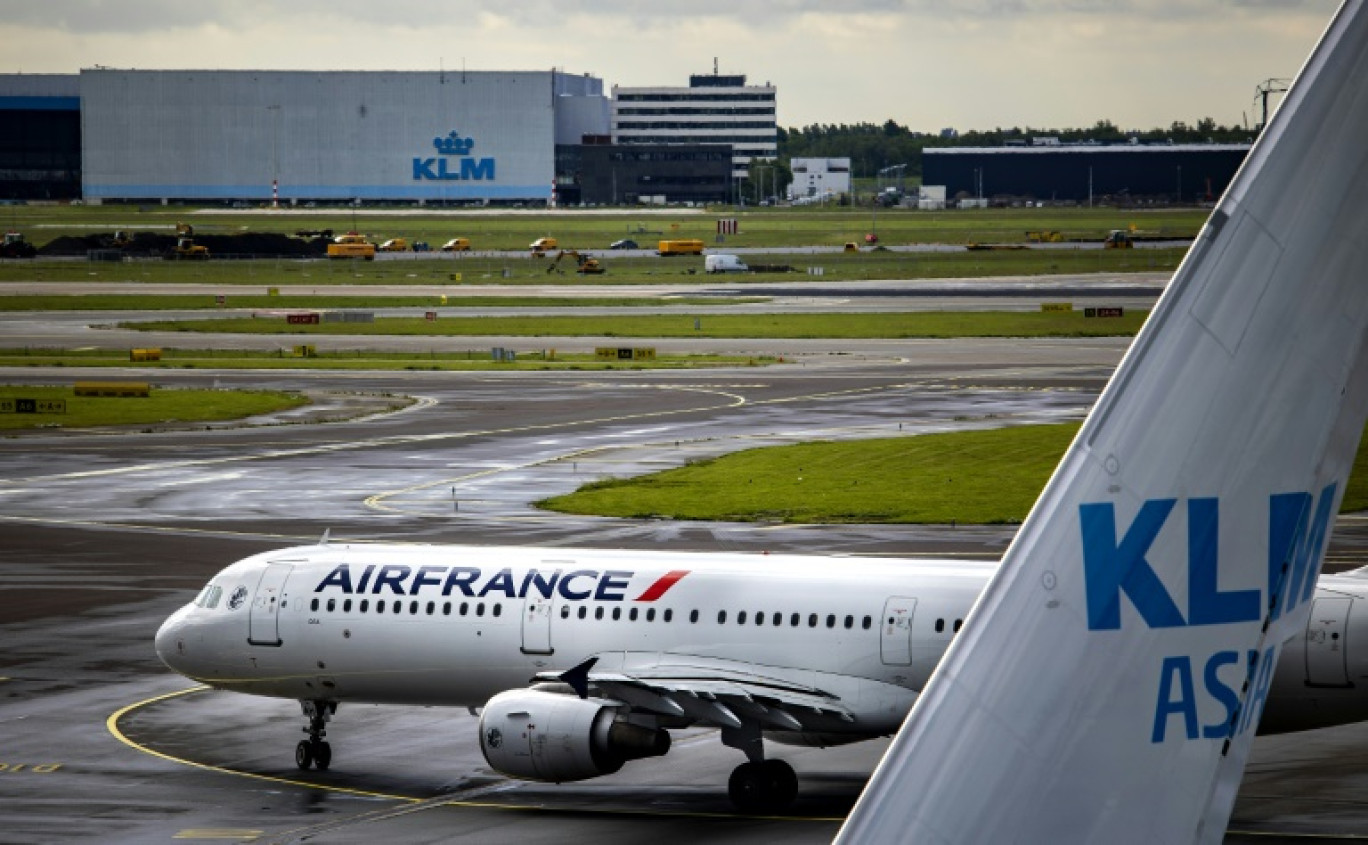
(474,359)
(929,324)
(585,229)
(969,477)
(160,407)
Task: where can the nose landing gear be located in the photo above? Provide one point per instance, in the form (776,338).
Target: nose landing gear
(315,751)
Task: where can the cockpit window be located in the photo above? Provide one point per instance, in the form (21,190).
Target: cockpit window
(209,596)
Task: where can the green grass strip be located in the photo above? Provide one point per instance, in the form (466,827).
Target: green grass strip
(967,477)
(295,302)
(937,324)
(161,406)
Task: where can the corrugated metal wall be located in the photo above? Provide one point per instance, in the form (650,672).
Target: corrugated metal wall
(326,135)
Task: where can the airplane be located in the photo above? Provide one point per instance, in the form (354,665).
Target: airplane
(1243,397)
(1109,681)
(583,660)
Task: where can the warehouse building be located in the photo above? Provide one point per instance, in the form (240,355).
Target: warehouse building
(819,178)
(714,109)
(40,137)
(1085,172)
(456,137)
(656,174)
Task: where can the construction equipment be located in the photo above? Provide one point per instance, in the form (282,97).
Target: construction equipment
(586,264)
(351,245)
(541,246)
(1045,237)
(187,249)
(185,230)
(16,247)
(1119,239)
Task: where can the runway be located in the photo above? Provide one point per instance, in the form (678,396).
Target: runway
(106,533)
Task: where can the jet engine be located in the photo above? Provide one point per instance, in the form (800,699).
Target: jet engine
(535,735)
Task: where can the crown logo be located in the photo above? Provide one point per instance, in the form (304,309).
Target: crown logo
(453,144)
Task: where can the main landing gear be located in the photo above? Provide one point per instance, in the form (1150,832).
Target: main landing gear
(758,785)
(315,751)
(763,786)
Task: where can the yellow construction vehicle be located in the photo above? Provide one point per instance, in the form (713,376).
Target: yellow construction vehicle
(187,249)
(586,264)
(351,245)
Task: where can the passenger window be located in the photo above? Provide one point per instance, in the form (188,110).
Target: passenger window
(693,617)
(632,615)
(583,611)
(431,606)
(940,625)
(479,608)
(794,620)
(617,613)
(498,608)
(398,606)
(565,611)
(365,605)
(867,623)
(446,608)
(741,618)
(831,620)
(669,614)
(721,617)
(812,620)
(346,606)
(332,604)
(413,608)
(598,612)
(849,622)
(465,608)
(650,614)
(379,607)
(958,623)
(760,618)
(313,605)
(777,620)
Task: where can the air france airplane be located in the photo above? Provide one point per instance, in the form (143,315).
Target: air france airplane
(1112,672)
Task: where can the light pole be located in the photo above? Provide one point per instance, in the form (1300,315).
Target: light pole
(275,155)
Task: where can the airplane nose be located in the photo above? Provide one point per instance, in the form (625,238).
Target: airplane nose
(170,642)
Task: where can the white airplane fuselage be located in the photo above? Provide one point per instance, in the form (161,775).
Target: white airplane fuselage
(454,626)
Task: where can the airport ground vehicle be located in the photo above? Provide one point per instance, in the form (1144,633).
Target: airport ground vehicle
(541,246)
(457,245)
(724,264)
(1119,239)
(15,246)
(394,245)
(687,246)
(625,243)
(351,245)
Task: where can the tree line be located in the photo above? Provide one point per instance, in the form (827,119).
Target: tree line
(872,146)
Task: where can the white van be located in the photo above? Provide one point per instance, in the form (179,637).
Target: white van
(724,264)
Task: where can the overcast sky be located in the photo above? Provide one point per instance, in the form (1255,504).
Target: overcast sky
(926,63)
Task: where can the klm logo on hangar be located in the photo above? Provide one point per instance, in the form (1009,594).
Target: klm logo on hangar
(451,149)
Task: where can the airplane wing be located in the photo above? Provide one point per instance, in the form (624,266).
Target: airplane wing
(1108,684)
(704,690)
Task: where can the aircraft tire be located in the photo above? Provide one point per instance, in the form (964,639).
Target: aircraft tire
(322,754)
(304,756)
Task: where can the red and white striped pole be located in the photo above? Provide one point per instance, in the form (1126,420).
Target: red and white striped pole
(275,193)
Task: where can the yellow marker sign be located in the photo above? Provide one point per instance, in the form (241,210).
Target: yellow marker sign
(1056,306)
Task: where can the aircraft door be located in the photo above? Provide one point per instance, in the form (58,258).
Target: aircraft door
(895,643)
(1325,653)
(536,625)
(264,620)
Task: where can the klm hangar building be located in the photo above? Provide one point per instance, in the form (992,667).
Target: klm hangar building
(335,136)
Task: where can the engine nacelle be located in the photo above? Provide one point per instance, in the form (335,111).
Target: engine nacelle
(534,735)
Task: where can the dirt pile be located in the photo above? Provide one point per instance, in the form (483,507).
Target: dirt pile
(149,244)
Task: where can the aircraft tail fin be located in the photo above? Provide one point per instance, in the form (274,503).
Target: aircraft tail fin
(1109,682)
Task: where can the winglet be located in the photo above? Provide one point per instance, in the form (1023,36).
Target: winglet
(327,535)
(578,677)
